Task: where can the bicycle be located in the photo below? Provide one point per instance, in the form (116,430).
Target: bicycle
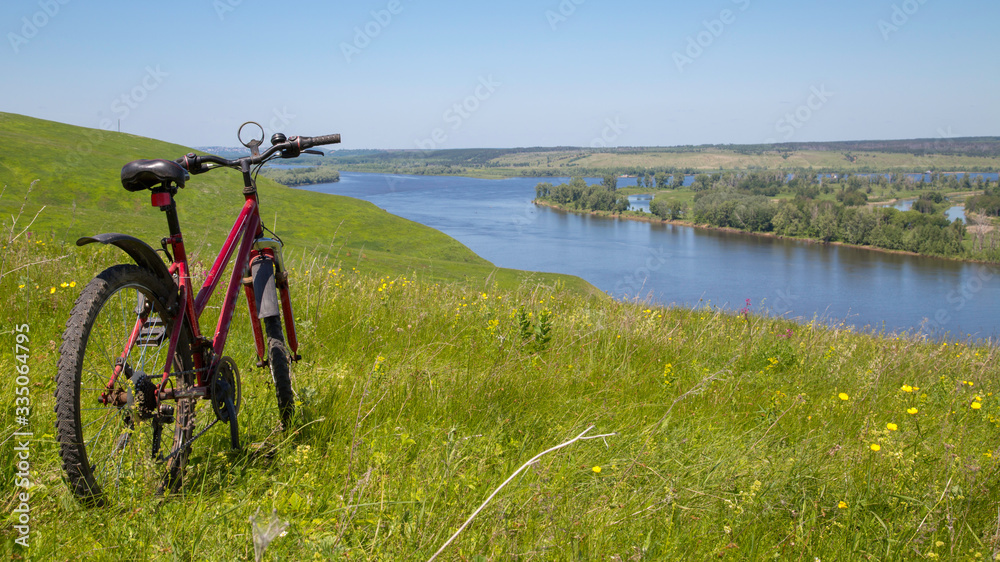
(134,361)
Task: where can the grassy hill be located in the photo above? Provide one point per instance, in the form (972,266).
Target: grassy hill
(734,437)
(77,172)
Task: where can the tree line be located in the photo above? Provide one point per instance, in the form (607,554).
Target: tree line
(293,177)
(745,202)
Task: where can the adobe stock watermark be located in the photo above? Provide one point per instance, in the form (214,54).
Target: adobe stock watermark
(23,434)
(365,34)
(33,24)
(123,105)
(610,133)
(562,13)
(223,7)
(632,283)
(792,121)
(957,299)
(460,112)
(279,120)
(901,14)
(714,28)
(784,302)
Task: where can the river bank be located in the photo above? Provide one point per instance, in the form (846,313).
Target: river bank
(649,218)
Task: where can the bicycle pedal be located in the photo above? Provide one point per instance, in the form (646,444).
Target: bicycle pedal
(153,332)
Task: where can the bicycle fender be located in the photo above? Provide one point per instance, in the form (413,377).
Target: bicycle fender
(142,253)
(264,291)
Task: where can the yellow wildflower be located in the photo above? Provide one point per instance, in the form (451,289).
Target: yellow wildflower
(843,396)
(876,447)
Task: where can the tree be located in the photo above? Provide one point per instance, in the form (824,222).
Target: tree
(661,180)
(610,182)
(701,182)
(638,181)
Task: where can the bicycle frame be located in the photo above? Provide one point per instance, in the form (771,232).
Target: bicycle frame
(207,352)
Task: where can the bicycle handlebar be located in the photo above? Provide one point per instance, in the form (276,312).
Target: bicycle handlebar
(291,148)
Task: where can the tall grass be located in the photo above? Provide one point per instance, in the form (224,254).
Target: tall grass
(737,436)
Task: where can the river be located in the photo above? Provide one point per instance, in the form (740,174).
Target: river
(669,264)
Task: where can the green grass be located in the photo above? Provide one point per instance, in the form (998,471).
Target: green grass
(417,399)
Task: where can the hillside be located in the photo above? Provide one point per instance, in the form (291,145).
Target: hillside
(733,437)
(77,172)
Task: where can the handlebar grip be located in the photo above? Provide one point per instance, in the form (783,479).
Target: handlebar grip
(309,142)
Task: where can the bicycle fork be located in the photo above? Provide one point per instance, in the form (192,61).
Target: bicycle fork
(266,284)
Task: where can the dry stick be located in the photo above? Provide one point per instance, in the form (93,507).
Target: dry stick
(929,511)
(507,481)
(6,273)
(798,400)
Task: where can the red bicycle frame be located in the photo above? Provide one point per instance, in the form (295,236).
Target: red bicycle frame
(248,231)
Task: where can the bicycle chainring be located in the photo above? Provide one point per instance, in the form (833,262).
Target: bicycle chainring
(225,384)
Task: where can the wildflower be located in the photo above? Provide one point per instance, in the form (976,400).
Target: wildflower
(906,388)
(842,504)
(596,469)
(976,405)
(911,411)
(891,426)
(52,290)
(843,396)
(875,447)
(72,283)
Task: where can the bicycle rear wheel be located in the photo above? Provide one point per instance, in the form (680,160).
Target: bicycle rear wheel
(111,439)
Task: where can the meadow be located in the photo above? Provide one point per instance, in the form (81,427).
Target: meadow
(422,389)
(734,436)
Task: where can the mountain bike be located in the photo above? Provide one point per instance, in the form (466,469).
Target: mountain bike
(134,362)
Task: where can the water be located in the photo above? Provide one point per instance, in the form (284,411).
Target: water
(953,212)
(691,267)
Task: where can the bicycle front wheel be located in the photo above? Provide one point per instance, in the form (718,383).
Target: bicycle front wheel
(115,440)
(279,360)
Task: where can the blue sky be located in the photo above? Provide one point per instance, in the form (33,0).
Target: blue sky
(412,73)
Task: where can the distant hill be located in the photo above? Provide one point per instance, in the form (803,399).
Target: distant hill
(946,155)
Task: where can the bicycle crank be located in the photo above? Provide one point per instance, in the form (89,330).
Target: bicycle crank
(227,395)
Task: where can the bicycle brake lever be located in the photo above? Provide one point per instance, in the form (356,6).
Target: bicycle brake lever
(311,151)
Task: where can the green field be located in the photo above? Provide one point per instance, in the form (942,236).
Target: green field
(952,155)
(727,436)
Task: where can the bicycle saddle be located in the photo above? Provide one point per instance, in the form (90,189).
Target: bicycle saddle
(146,174)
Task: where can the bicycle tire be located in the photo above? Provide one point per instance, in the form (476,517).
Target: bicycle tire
(109,451)
(280,364)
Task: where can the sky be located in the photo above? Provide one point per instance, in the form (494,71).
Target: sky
(421,74)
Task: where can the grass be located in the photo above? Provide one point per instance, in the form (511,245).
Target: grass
(736,436)
(418,398)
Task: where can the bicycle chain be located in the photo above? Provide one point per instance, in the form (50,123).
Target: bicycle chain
(186,444)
